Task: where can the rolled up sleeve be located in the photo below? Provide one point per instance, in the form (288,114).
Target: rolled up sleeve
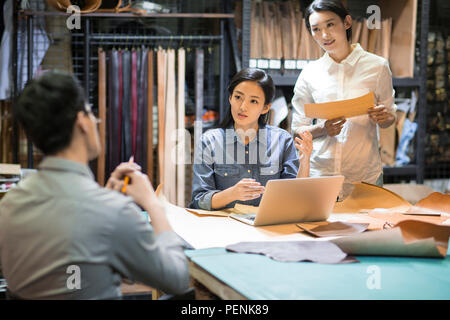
(302,95)
(139,254)
(290,159)
(384,92)
(203,183)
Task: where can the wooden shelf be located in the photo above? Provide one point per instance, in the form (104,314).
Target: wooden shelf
(408,170)
(290,79)
(132,15)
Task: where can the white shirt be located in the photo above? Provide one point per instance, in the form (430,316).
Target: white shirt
(353,153)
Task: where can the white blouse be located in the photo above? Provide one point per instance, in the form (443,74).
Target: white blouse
(353,153)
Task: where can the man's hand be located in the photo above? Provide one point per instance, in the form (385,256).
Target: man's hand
(116,180)
(140,189)
(334,126)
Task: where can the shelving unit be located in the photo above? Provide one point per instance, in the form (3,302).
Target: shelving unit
(90,40)
(411,171)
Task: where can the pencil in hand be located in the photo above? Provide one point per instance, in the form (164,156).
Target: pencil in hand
(127,178)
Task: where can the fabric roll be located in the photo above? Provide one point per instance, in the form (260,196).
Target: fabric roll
(210,82)
(181,111)
(133,100)
(169,186)
(162,76)
(121,150)
(126,104)
(199,78)
(150,99)
(137,153)
(115,139)
(109,116)
(101,115)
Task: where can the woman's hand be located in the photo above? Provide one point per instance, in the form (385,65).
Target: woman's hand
(334,126)
(116,180)
(247,189)
(304,145)
(381,116)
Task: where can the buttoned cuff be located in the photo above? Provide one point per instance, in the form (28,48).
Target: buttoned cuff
(205,201)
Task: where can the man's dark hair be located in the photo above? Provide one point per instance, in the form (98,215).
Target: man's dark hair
(263,80)
(47,109)
(335,6)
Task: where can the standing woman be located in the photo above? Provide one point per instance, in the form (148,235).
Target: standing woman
(234,162)
(343,146)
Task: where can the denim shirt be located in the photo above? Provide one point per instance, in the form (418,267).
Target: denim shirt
(223,160)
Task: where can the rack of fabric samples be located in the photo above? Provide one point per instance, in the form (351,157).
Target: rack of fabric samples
(438,114)
(401,38)
(144,40)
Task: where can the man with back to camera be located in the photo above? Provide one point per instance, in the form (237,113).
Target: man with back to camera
(62,236)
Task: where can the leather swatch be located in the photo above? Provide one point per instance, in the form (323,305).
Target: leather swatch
(295,251)
(333,229)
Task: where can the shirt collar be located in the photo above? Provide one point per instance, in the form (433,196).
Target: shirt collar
(231,137)
(351,59)
(60,164)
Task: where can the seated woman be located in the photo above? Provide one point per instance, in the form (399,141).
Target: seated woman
(234,162)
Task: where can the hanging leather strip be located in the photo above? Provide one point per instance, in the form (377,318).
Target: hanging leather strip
(170,131)
(119,124)
(162,58)
(109,117)
(180,126)
(141,141)
(126,104)
(199,75)
(210,83)
(115,110)
(101,115)
(150,99)
(133,100)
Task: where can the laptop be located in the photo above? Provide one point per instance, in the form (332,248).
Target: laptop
(295,200)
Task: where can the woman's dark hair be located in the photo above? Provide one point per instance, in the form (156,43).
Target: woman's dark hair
(47,110)
(335,6)
(263,80)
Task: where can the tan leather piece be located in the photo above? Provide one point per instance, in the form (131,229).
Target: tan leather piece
(402,46)
(344,108)
(407,238)
(102,115)
(366,196)
(415,230)
(170,131)
(161,100)
(436,201)
(62,5)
